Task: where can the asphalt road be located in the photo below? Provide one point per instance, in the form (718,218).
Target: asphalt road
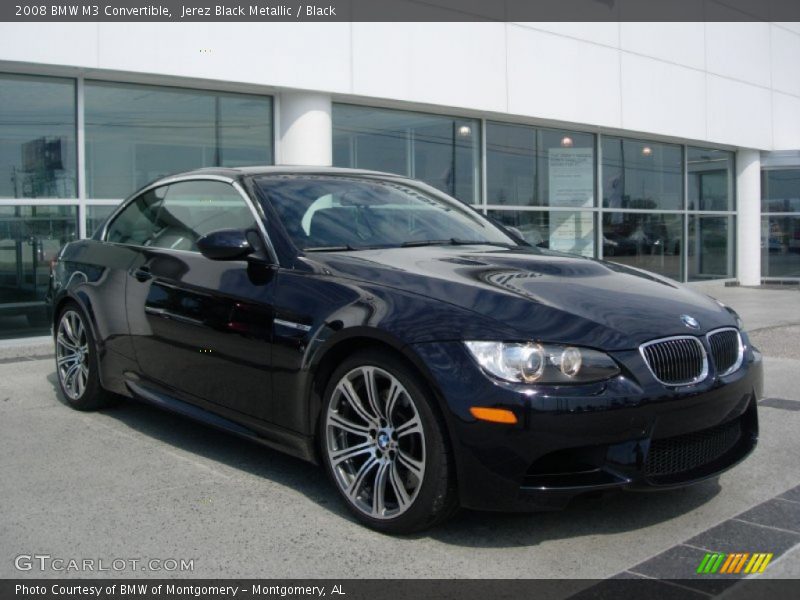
(133,482)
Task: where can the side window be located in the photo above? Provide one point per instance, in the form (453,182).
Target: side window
(194,208)
(138,222)
(177,215)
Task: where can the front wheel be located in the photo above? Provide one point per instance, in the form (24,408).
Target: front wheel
(384,447)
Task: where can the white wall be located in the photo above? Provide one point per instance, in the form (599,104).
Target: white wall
(729,83)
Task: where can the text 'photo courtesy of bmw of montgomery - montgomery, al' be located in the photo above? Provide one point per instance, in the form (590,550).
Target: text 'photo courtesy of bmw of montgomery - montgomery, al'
(426,356)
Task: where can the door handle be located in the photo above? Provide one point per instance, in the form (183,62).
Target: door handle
(143,274)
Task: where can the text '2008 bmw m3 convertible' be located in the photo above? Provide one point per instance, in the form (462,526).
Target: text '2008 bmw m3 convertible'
(425,356)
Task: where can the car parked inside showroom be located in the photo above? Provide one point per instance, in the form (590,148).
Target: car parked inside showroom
(425,356)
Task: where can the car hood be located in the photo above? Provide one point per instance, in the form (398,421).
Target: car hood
(538,295)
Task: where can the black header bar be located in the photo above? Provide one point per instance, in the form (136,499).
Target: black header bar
(399,10)
(406,589)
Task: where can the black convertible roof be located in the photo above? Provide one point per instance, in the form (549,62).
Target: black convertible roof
(282,170)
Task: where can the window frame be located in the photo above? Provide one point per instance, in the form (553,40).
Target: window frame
(122,208)
(232,181)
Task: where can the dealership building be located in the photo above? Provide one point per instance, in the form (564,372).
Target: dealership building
(672,147)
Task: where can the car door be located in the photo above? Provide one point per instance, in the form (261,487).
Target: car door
(201,327)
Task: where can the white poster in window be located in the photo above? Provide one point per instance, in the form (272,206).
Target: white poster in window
(572,232)
(571,176)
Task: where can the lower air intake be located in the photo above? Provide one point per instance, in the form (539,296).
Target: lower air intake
(683,453)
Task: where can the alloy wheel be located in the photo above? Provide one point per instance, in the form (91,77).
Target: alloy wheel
(72,354)
(375,442)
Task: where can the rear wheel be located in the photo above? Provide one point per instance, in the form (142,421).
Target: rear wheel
(76,361)
(384,447)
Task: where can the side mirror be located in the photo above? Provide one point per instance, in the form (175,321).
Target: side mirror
(225,244)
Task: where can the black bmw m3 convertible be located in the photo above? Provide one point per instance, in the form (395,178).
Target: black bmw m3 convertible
(426,356)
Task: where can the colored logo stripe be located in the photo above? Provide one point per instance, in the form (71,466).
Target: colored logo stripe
(720,562)
(734,563)
(711,562)
(758,563)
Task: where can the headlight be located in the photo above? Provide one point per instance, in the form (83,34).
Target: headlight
(542,363)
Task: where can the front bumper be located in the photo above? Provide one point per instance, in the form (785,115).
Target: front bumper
(629,432)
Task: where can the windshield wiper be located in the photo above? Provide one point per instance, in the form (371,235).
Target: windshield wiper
(463,242)
(414,243)
(455,242)
(344,248)
(409,244)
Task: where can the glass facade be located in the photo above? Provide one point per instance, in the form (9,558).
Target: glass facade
(646,177)
(444,152)
(642,175)
(665,207)
(646,240)
(711,201)
(565,231)
(780,246)
(136,133)
(651,221)
(30,236)
(538,167)
(780,191)
(780,223)
(532,174)
(37,137)
(710,247)
(132,134)
(96,216)
(711,176)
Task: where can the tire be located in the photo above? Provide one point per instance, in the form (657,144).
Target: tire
(77,365)
(392,440)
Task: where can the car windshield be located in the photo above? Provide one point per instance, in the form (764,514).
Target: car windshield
(347,213)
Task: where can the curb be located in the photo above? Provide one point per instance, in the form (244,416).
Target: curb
(27,348)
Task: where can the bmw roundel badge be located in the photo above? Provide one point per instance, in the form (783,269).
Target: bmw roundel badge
(690,322)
